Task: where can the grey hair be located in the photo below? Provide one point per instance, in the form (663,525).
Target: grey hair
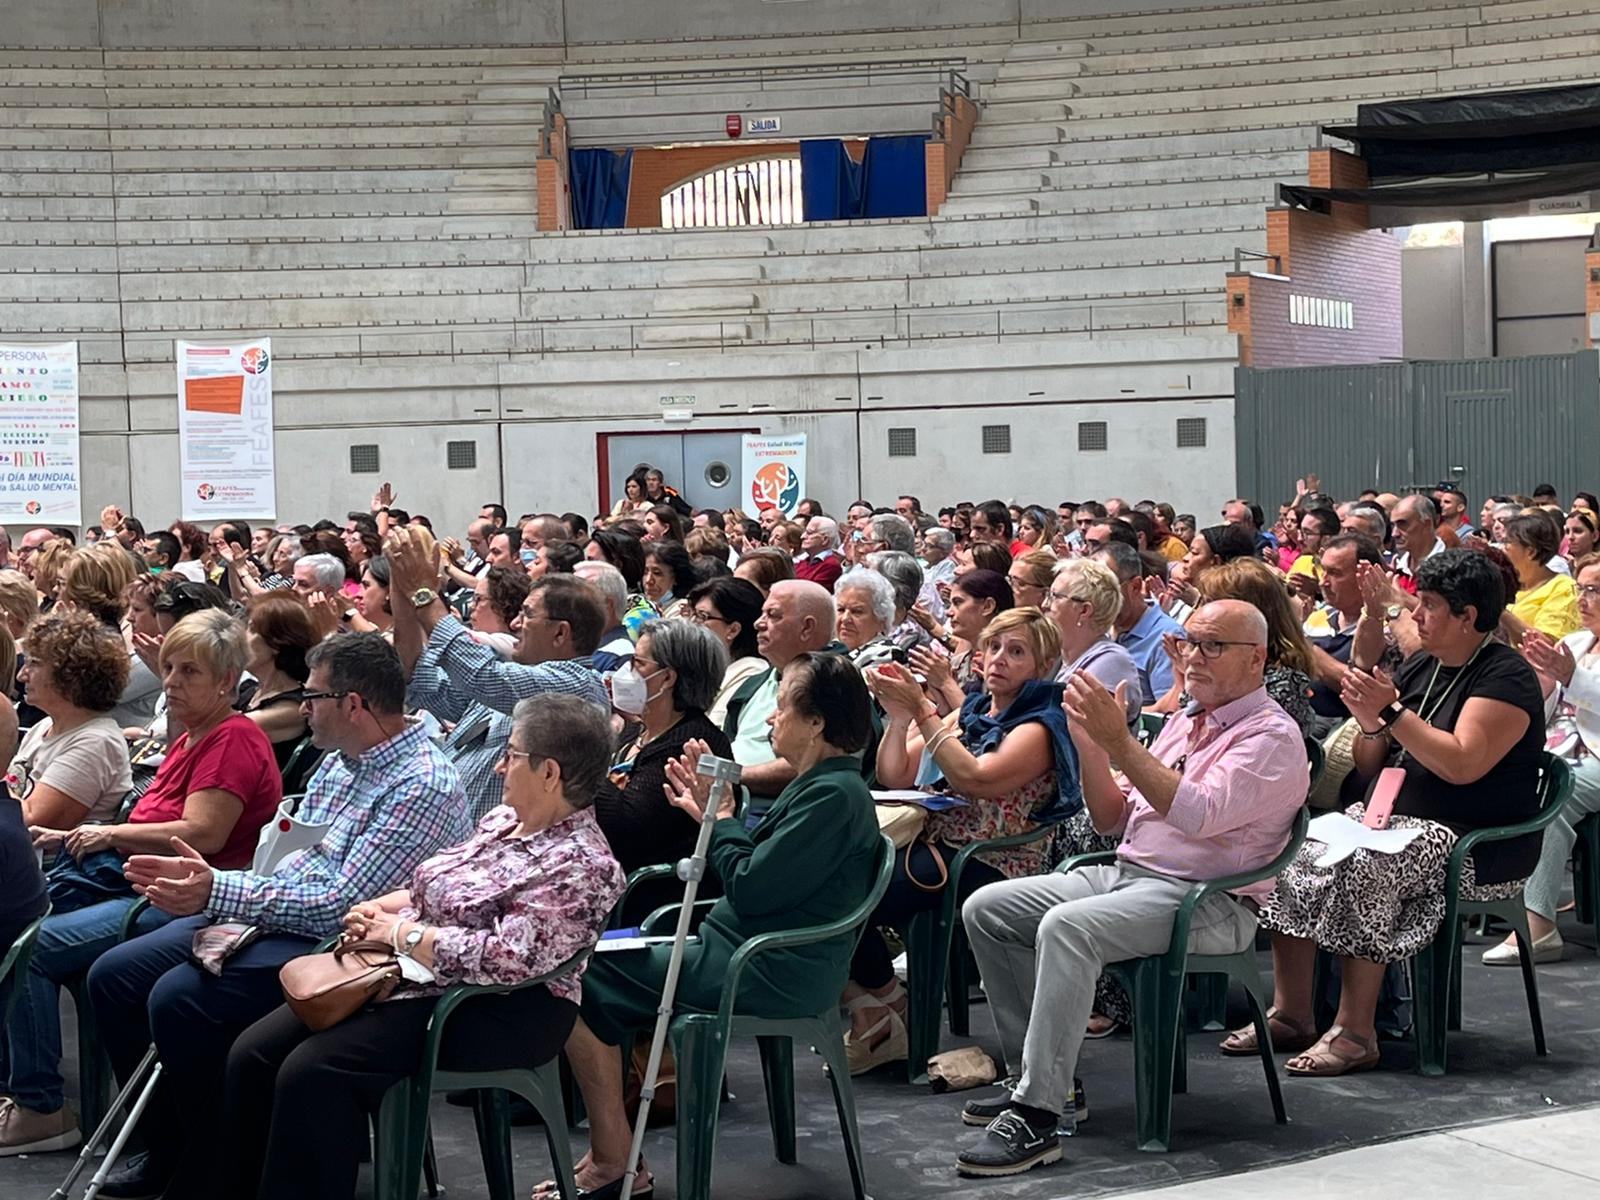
(941,537)
(698,656)
(895,532)
(879,590)
(901,570)
(829,528)
(1423,506)
(1123,559)
(1374,519)
(325,568)
(574,732)
(607,580)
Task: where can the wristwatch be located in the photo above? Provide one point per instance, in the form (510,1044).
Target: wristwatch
(412,939)
(1392,613)
(423,597)
(1391,713)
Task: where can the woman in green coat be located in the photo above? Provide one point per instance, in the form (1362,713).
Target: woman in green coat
(812,859)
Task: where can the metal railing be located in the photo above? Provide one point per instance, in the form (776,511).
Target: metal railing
(1240,254)
(586,85)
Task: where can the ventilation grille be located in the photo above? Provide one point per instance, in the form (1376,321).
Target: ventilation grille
(903,442)
(364,459)
(1191,432)
(1091,435)
(461,456)
(997,439)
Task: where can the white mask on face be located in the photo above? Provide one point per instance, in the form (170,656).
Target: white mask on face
(629,692)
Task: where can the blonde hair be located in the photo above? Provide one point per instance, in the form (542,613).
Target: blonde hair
(19,602)
(8,661)
(213,639)
(1038,565)
(47,567)
(1038,630)
(96,579)
(1096,585)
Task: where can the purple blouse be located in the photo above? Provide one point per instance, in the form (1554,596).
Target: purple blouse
(506,908)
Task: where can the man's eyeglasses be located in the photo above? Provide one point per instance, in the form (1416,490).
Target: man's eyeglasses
(307,697)
(508,754)
(1210,648)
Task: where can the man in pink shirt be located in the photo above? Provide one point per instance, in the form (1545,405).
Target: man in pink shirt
(1215,795)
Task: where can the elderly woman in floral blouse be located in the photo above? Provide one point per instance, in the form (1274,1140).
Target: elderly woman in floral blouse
(532,887)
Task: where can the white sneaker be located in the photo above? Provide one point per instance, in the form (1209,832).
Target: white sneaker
(23,1131)
(1545,950)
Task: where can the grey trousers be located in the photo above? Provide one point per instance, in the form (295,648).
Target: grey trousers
(1041,942)
(1542,892)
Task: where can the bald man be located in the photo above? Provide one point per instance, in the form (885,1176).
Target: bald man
(1215,795)
(796,619)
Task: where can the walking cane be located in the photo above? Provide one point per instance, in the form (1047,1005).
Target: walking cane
(723,774)
(135,1081)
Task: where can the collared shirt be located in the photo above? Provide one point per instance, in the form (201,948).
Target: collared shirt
(474,747)
(390,807)
(1143,641)
(1244,776)
(507,908)
(751,745)
(454,671)
(1404,569)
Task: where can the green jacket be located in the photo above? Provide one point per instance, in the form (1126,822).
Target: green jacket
(811,860)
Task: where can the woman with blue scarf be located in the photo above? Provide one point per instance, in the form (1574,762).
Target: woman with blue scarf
(1006,756)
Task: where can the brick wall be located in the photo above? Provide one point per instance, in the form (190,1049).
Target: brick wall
(659,169)
(944,154)
(1323,262)
(1591,265)
(555,187)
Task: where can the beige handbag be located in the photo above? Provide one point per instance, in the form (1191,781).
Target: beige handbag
(901,822)
(324,989)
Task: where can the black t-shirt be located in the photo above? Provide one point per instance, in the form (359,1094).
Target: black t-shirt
(22,892)
(1506,793)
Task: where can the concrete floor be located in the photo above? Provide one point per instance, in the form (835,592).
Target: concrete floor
(1224,1139)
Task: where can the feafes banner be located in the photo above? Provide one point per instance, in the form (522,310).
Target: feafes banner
(775,471)
(39,475)
(225,431)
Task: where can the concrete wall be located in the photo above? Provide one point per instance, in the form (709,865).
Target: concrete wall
(1431,291)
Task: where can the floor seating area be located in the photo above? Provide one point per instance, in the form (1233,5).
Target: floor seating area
(380,205)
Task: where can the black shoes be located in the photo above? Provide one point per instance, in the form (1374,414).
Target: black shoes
(981,1112)
(136,1179)
(1010,1146)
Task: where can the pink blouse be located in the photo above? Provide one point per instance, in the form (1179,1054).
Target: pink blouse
(507,908)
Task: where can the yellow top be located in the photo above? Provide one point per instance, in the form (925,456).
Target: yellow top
(1551,608)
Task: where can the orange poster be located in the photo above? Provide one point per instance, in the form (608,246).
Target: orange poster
(222,394)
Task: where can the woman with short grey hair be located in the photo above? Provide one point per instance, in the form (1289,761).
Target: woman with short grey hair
(674,676)
(865,603)
(905,574)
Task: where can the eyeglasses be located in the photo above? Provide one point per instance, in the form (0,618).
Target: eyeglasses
(1054,598)
(307,697)
(701,617)
(1589,590)
(508,754)
(1210,648)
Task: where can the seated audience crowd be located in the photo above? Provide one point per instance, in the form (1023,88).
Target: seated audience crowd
(225,748)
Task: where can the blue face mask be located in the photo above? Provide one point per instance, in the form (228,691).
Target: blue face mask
(529,557)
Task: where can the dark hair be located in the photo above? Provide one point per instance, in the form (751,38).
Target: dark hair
(669,517)
(1120,530)
(283,622)
(772,565)
(572,732)
(1544,489)
(1228,541)
(638,479)
(624,552)
(990,556)
(828,686)
(378,567)
(1590,499)
(568,598)
(916,505)
(186,596)
(1093,507)
(987,585)
(1140,523)
(675,558)
(816,506)
(167,543)
(1536,532)
(327,541)
(739,601)
(508,588)
(1327,519)
(561,557)
(1367,550)
(190,537)
(364,663)
(497,513)
(998,515)
(1460,578)
(136,527)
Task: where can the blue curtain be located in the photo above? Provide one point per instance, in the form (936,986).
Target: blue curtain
(895,175)
(599,180)
(830,181)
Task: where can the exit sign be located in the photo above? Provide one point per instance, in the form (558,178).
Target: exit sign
(677,402)
(762,125)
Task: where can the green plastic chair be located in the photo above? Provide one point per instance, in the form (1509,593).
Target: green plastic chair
(403,1140)
(1436,971)
(700,1042)
(1156,985)
(1586,872)
(14,966)
(1150,724)
(936,960)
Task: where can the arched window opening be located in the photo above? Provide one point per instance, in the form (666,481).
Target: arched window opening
(765,192)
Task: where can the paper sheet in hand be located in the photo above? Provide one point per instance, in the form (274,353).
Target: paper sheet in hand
(1344,837)
(932,801)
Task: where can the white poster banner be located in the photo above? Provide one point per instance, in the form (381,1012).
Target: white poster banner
(775,471)
(225,431)
(39,476)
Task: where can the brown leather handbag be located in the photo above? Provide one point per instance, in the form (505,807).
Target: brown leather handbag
(324,989)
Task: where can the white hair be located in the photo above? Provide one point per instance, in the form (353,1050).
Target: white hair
(879,590)
(829,528)
(326,570)
(607,580)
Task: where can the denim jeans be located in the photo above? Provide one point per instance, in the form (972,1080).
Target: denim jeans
(69,943)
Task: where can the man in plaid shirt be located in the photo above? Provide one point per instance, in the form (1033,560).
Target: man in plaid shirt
(391,799)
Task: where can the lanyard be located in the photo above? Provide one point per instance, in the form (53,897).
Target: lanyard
(1429,714)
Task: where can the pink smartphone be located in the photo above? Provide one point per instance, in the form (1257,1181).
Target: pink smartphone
(1380,805)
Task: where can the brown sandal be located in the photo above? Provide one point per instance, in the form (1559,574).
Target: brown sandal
(1324,1061)
(1242,1042)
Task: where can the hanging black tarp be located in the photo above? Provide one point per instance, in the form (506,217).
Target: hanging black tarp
(1452,193)
(1487,131)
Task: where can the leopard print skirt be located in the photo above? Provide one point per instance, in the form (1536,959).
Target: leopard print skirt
(1380,907)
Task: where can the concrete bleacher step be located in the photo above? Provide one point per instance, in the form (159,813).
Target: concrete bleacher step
(287,282)
(1052,88)
(1114,174)
(702,300)
(997,113)
(1035,51)
(712,272)
(710,333)
(989,206)
(1223,80)
(1253,55)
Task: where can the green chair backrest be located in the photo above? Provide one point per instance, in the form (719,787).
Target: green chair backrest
(15,963)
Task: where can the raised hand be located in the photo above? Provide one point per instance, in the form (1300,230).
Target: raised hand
(1549,658)
(325,613)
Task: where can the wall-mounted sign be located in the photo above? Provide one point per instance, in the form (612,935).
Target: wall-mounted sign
(775,468)
(39,468)
(763,126)
(734,124)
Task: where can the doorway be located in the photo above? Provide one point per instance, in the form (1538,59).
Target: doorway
(705,468)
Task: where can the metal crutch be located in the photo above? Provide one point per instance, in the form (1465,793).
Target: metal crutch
(135,1081)
(724,774)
